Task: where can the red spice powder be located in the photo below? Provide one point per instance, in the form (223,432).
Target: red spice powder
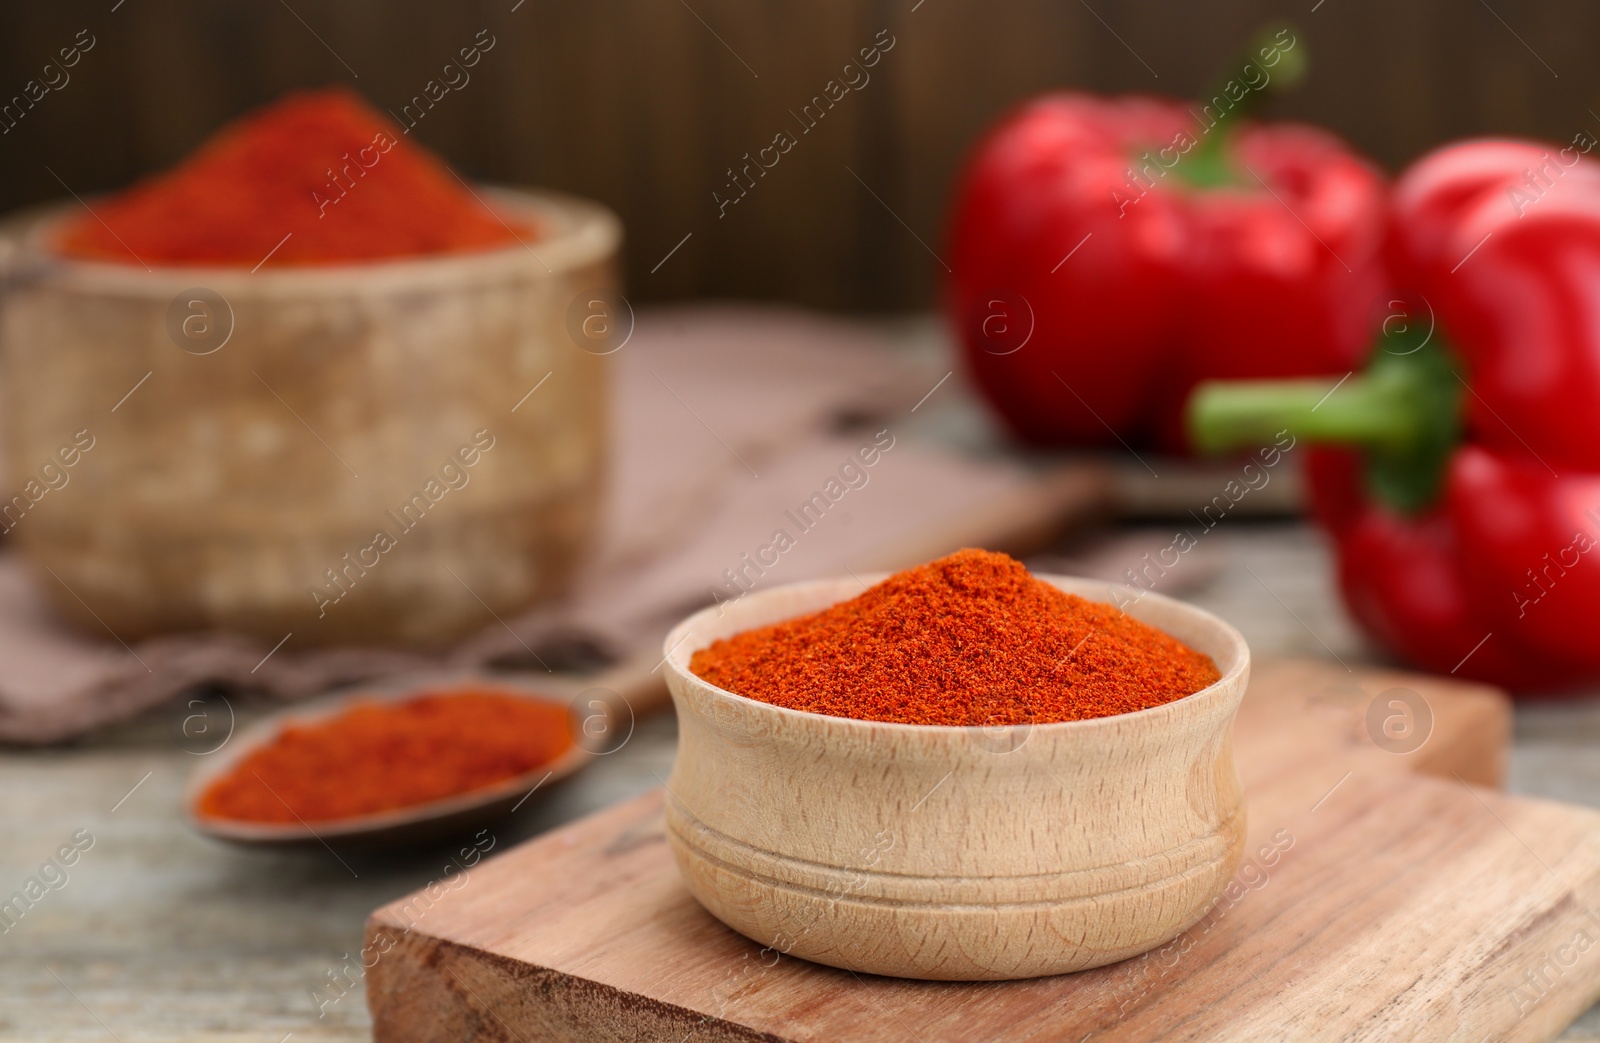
(320,167)
(376,756)
(971,639)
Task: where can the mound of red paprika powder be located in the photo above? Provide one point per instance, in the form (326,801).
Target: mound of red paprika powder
(376,756)
(970,639)
(317,178)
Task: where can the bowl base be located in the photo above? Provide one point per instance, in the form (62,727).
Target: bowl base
(953,929)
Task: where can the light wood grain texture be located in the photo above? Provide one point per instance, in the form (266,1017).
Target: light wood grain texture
(954,853)
(1382,897)
(244,474)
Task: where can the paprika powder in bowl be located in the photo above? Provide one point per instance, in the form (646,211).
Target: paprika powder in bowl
(951,851)
(288,429)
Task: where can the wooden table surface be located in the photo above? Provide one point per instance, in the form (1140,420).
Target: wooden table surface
(159,934)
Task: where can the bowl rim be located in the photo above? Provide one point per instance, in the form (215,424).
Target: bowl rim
(676,662)
(582,231)
(333,703)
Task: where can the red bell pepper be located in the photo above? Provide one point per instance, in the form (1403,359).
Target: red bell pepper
(1109,253)
(1468,523)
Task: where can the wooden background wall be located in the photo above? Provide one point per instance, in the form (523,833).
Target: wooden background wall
(644,104)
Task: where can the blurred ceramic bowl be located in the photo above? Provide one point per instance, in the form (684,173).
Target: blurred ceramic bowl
(349,453)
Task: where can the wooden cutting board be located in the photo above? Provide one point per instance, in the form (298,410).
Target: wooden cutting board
(1385,894)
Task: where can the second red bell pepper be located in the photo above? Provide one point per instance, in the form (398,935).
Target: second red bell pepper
(1467,516)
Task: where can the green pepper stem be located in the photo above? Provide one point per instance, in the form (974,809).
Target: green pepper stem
(1359,411)
(1248,76)
(1404,413)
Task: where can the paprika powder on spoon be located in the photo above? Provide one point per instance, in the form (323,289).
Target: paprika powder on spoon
(379,756)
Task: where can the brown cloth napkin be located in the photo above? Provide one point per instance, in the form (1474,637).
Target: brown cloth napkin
(726,423)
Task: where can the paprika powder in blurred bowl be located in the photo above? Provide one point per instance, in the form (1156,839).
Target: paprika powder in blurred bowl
(944,851)
(288,387)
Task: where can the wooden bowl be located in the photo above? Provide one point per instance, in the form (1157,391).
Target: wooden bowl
(951,853)
(215,448)
(415,824)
